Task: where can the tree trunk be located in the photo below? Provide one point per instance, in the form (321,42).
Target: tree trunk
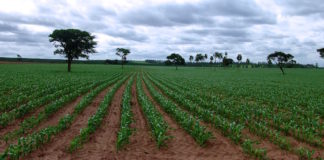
(69,65)
(282,70)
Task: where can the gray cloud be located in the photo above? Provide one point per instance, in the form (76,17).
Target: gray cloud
(153,30)
(203,13)
(302,7)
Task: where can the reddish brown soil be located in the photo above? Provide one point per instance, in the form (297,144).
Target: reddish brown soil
(273,151)
(14,126)
(53,120)
(57,149)
(102,144)
(319,152)
(183,146)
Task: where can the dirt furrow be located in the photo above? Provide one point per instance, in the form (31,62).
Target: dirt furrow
(141,144)
(183,146)
(273,152)
(52,120)
(57,149)
(102,144)
(15,124)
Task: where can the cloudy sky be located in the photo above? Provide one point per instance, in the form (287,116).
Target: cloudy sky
(152,29)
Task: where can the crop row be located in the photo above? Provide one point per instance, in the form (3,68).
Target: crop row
(155,120)
(34,92)
(50,109)
(185,120)
(240,114)
(232,129)
(24,109)
(125,130)
(35,140)
(303,123)
(95,120)
(308,131)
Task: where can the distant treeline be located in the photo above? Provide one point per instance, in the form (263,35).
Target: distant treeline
(155,63)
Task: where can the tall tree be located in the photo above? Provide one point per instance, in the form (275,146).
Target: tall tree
(122,52)
(191,58)
(218,55)
(175,59)
(19,58)
(73,43)
(205,57)
(211,59)
(280,58)
(199,57)
(247,62)
(239,58)
(321,52)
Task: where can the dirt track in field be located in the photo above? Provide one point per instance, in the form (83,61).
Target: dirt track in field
(57,148)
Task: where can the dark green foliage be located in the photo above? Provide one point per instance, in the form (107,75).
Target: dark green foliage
(280,58)
(199,57)
(122,52)
(227,61)
(175,59)
(73,43)
(321,52)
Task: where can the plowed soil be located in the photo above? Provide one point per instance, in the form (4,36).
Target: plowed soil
(57,148)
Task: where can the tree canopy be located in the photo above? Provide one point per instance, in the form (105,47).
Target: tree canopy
(199,57)
(175,59)
(122,52)
(73,43)
(280,58)
(191,58)
(239,57)
(321,52)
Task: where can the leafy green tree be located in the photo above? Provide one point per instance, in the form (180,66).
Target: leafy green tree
(211,59)
(239,58)
(247,62)
(19,58)
(175,59)
(199,57)
(191,58)
(321,52)
(205,56)
(218,55)
(280,58)
(122,52)
(73,43)
(227,61)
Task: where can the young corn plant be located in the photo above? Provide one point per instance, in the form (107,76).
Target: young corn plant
(155,120)
(185,120)
(95,121)
(125,130)
(35,140)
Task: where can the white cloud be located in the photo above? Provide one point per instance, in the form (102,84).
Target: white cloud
(154,28)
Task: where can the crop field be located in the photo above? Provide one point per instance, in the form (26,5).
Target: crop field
(104,112)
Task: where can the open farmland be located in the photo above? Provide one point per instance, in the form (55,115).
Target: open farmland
(104,112)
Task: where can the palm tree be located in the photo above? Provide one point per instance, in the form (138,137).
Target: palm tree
(211,59)
(218,55)
(191,58)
